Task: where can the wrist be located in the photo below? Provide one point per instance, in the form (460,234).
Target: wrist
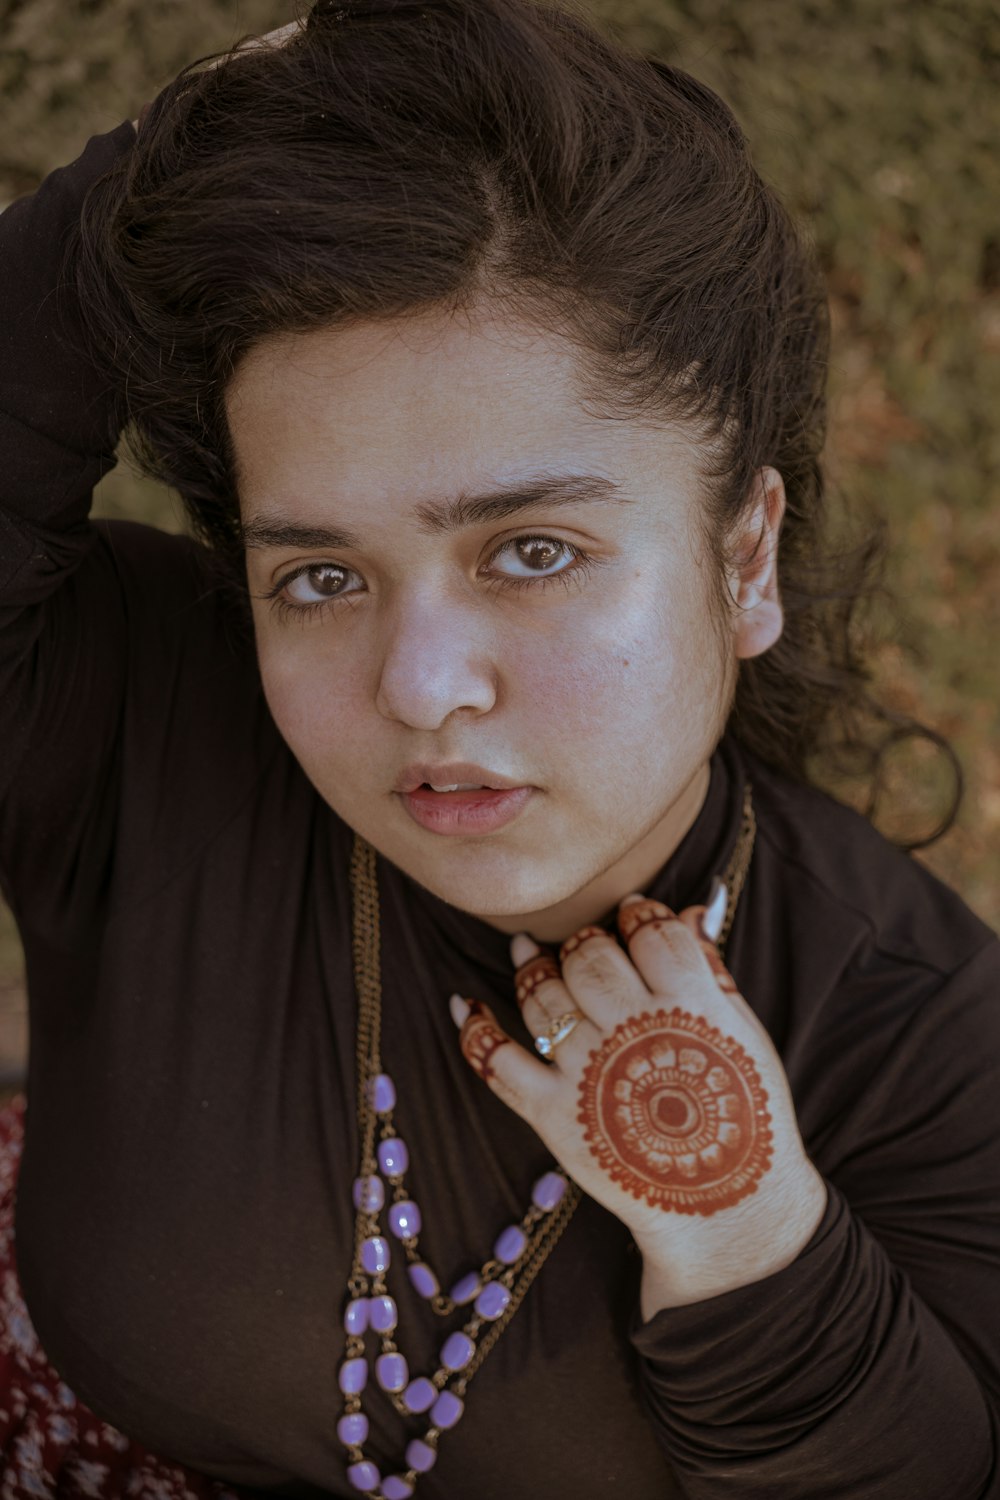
(762,1237)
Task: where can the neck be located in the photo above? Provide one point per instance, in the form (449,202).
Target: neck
(597,902)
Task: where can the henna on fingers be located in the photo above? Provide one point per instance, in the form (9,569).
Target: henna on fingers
(675,1113)
(643,914)
(572,943)
(727,984)
(535,972)
(481,1037)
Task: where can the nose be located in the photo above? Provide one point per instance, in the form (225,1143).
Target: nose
(437,658)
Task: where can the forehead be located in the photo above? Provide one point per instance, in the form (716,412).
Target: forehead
(395,378)
(425,405)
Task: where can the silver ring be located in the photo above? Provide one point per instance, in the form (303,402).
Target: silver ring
(557,1031)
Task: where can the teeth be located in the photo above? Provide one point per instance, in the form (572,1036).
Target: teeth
(466,786)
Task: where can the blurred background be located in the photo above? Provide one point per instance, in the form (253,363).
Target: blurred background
(879,122)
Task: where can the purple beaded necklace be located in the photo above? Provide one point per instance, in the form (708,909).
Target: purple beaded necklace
(494,1291)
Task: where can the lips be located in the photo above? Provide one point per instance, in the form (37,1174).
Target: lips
(481,811)
(454,773)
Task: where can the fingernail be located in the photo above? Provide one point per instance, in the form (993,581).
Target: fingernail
(629,900)
(522,947)
(459,1010)
(715,909)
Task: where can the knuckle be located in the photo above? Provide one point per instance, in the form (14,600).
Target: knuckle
(671,933)
(598,965)
(536,977)
(581,936)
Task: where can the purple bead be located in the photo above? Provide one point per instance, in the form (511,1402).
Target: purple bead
(353,1429)
(456,1351)
(395,1487)
(368,1194)
(492,1300)
(393,1157)
(446,1410)
(420,1456)
(404,1220)
(391,1372)
(356,1315)
(510,1245)
(422,1279)
(353,1376)
(548,1190)
(364,1476)
(382,1314)
(375,1254)
(466,1288)
(420,1394)
(382,1093)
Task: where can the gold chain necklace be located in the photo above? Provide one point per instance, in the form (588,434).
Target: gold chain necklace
(541,1229)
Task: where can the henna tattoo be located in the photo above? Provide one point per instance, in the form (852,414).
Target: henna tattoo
(727,984)
(572,943)
(675,1113)
(638,913)
(480,1038)
(535,972)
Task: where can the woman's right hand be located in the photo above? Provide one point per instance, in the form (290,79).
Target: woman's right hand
(276,38)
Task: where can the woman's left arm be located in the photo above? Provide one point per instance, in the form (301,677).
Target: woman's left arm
(800,1333)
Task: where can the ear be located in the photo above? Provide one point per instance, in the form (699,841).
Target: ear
(753,581)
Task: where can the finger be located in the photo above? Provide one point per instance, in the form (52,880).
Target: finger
(523,1082)
(545,1000)
(601,977)
(276,38)
(692,919)
(667,954)
(538,984)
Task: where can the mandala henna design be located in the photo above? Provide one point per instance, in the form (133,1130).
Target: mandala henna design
(535,972)
(480,1039)
(675,1113)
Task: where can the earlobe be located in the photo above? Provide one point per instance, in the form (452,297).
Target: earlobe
(753,585)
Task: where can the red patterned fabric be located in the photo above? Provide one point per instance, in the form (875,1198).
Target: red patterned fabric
(50,1443)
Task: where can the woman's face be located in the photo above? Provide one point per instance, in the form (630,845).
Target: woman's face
(569,645)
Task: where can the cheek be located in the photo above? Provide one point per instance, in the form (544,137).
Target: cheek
(623,673)
(311,699)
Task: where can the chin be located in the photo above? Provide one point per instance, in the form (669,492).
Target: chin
(510,887)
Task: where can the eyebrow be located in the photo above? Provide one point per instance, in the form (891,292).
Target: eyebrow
(442,516)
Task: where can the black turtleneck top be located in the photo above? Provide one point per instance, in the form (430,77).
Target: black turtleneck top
(184,1226)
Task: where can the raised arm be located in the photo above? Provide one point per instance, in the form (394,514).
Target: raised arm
(94,617)
(61,656)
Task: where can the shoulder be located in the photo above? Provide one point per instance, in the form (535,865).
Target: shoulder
(854,879)
(877,982)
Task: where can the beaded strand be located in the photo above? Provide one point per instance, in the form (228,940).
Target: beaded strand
(495,1290)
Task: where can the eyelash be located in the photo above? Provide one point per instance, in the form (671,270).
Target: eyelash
(582,563)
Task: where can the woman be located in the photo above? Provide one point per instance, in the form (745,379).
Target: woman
(467,1052)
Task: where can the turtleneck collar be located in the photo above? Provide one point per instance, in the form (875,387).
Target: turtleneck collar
(684,880)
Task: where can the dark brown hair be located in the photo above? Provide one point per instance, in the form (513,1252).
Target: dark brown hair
(401,156)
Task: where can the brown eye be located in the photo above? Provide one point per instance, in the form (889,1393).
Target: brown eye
(539,552)
(536,553)
(316,583)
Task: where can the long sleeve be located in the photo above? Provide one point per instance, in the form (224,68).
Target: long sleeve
(62,645)
(870,1366)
